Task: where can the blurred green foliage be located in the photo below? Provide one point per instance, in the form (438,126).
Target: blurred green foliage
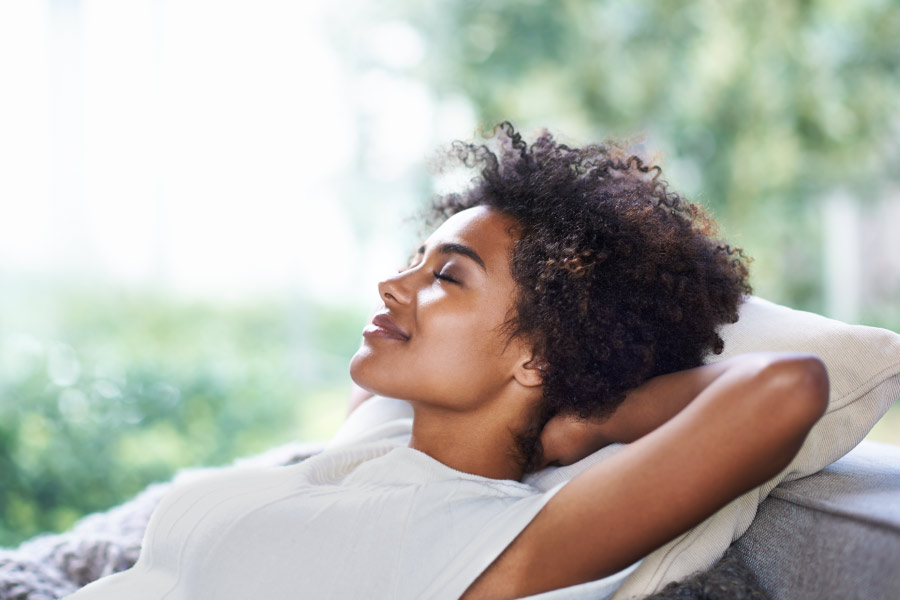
(760,108)
(104,391)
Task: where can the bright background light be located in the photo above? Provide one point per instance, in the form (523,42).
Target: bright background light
(198,197)
(203,148)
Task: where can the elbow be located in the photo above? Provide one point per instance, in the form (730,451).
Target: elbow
(797,391)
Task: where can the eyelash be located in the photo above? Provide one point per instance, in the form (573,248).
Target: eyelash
(444,277)
(416,260)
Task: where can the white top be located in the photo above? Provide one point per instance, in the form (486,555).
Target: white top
(364,519)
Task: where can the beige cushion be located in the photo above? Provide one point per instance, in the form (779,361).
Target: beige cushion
(864,369)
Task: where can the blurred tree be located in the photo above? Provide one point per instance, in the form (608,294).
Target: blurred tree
(760,107)
(111,391)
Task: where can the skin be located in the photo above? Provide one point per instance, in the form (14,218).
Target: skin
(469,388)
(697,438)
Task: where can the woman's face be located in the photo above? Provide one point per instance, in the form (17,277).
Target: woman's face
(438,337)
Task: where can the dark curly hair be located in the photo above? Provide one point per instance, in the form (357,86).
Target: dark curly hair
(619,278)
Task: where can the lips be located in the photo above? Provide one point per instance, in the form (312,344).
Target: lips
(384,326)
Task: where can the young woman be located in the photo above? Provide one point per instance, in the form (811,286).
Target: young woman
(567,300)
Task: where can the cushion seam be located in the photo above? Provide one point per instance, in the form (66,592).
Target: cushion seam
(873,382)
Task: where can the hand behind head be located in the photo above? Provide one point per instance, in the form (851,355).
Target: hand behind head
(567,438)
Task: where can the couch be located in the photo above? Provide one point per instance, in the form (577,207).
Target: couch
(834,534)
(818,530)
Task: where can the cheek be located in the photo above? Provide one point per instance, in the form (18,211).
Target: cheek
(467,359)
(465,337)
(452,361)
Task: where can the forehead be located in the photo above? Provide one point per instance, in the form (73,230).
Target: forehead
(488,232)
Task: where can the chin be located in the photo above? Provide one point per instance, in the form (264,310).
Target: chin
(357,367)
(377,376)
(362,370)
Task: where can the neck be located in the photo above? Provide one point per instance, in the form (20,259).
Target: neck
(479,442)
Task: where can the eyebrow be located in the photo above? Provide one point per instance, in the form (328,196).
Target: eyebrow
(452,248)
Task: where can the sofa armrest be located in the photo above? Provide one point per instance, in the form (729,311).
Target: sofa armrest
(834,534)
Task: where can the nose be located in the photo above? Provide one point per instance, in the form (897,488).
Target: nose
(395,289)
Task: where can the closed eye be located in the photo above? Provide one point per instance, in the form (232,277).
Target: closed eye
(443,277)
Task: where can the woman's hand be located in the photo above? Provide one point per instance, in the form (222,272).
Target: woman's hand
(566,439)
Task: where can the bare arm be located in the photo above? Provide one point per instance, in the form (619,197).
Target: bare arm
(746,422)
(567,439)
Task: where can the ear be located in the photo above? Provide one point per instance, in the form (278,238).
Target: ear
(529,370)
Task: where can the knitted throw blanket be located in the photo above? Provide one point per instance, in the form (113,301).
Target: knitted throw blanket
(52,566)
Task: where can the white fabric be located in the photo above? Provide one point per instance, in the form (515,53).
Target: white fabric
(864,365)
(377,520)
(382,417)
(864,370)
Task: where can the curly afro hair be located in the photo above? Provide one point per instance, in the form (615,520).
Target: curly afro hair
(619,278)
